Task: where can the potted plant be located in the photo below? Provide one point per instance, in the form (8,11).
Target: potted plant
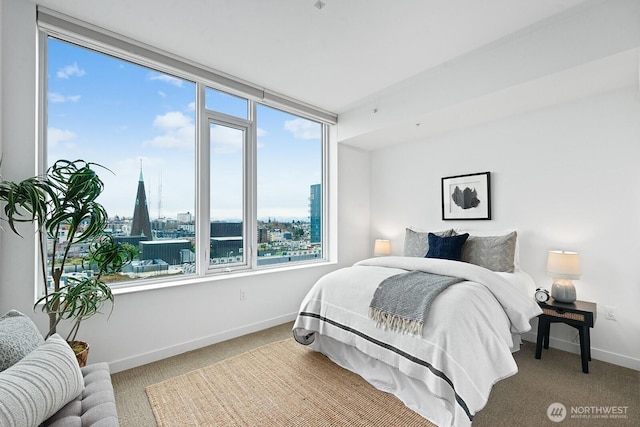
(63,203)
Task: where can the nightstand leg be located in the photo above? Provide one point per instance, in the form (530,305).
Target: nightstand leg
(547,332)
(584,350)
(542,327)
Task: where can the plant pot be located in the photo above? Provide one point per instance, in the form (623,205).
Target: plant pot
(81,350)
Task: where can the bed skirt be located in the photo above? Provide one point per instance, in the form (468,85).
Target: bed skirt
(411,392)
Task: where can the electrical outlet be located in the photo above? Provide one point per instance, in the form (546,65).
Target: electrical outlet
(243,295)
(609,312)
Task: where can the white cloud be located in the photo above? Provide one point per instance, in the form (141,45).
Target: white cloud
(162,94)
(70,70)
(167,79)
(57,136)
(171,120)
(178,131)
(225,140)
(58,98)
(303,129)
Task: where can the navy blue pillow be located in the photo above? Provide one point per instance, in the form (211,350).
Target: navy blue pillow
(446,247)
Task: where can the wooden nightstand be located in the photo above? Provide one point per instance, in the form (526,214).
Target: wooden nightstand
(580,314)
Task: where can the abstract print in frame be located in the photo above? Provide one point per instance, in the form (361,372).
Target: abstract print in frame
(466,196)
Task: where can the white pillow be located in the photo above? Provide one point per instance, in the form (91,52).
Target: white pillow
(40,384)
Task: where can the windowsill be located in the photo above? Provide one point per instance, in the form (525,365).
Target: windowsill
(169,283)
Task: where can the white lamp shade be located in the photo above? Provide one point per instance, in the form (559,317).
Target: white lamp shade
(382,248)
(563,265)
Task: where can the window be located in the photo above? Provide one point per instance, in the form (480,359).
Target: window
(289,187)
(201,180)
(140,125)
(227,194)
(225,103)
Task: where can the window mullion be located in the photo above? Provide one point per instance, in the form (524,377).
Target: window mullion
(202,182)
(251,188)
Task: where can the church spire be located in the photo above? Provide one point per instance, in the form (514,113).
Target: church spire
(141,224)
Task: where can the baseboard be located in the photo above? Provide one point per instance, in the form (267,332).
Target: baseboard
(596,353)
(163,353)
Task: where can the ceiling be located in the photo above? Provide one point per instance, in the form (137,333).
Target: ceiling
(333,58)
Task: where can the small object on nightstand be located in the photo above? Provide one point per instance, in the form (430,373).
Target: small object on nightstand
(542,295)
(580,315)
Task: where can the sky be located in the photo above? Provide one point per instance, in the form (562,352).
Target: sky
(120,115)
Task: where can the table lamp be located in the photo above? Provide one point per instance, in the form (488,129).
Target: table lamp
(382,247)
(563,267)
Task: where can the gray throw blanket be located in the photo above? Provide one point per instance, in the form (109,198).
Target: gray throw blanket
(401,302)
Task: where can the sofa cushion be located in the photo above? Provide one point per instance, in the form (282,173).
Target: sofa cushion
(36,387)
(18,337)
(95,406)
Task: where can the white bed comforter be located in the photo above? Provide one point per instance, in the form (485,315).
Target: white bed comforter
(465,344)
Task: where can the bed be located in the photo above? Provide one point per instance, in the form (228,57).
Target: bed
(444,372)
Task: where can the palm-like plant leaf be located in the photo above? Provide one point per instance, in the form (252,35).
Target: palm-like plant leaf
(66,197)
(27,201)
(77,187)
(109,256)
(79,300)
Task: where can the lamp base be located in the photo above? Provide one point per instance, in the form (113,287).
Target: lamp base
(563,291)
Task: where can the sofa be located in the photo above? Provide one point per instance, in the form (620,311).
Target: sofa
(41,382)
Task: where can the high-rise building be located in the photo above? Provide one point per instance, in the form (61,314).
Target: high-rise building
(315,213)
(185,217)
(141,225)
(263,235)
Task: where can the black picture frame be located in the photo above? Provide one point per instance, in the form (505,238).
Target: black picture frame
(466,197)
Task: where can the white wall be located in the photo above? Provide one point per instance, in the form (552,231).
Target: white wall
(565,176)
(150,325)
(354,201)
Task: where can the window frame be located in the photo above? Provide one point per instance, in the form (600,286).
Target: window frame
(248,129)
(84,35)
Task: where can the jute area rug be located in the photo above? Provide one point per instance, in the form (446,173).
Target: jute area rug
(279,384)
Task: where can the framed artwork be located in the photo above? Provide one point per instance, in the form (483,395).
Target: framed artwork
(466,196)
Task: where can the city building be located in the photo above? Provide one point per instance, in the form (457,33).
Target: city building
(141,225)
(315,213)
(185,217)
(173,252)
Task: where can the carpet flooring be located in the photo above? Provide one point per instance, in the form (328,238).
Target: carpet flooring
(521,400)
